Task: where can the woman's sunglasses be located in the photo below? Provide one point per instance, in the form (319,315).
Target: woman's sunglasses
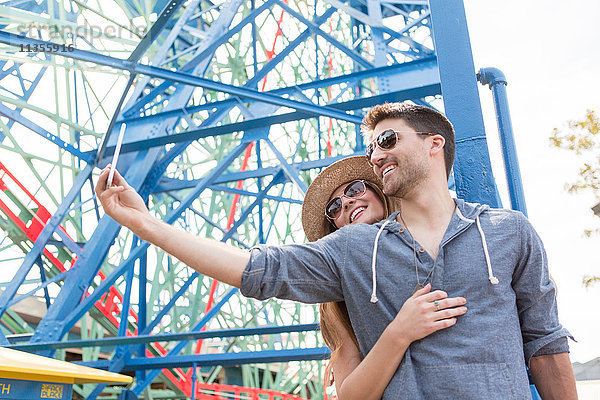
(353,190)
(387,140)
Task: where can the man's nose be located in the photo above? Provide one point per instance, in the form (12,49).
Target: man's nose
(377,156)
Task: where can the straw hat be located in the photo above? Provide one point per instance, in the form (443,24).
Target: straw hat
(314,222)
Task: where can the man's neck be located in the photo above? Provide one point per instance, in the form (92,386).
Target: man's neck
(426,214)
(428,207)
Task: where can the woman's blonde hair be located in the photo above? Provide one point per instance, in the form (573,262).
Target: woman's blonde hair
(329,312)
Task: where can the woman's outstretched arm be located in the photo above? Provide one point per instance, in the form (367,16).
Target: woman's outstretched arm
(367,379)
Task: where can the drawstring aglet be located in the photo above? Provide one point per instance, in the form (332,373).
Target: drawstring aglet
(374,299)
(494,280)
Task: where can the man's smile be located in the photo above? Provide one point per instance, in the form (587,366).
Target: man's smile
(388,169)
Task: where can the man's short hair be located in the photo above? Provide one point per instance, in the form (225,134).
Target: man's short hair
(420,118)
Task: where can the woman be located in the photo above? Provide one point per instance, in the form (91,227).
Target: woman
(348,192)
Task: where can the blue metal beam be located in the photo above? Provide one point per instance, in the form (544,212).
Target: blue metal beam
(40,264)
(166,337)
(277,178)
(43,285)
(142,310)
(16,116)
(261,122)
(39,245)
(209,51)
(376,26)
(497,83)
(315,28)
(227,189)
(26,93)
(156,29)
(185,78)
(3,340)
(420,72)
(146,41)
(415,22)
(472,167)
(190,65)
(223,359)
(290,171)
(68,242)
(140,386)
(161,166)
(209,221)
(6,72)
(422,50)
(76,312)
(56,322)
(170,184)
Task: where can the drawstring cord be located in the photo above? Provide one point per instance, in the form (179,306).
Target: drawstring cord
(491,277)
(374,263)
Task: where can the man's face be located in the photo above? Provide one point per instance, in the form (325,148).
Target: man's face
(366,209)
(406,165)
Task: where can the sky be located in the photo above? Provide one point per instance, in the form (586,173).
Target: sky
(548,51)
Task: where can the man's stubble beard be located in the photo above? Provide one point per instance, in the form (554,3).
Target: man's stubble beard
(408,175)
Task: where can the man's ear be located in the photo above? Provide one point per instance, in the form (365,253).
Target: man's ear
(437,144)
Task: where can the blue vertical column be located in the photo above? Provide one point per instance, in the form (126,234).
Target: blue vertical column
(497,83)
(140,375)
(472,167)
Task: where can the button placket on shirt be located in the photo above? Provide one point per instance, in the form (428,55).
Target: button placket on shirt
(424,260)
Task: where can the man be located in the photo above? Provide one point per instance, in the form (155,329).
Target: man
(402,160)
(493,258)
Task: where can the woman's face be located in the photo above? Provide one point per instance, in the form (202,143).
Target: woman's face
(366,209)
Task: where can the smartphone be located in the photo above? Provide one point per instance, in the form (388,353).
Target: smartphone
(113,163)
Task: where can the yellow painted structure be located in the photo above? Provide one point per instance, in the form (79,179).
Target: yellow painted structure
(24,366)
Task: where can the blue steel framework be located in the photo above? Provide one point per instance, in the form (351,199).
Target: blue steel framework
(200,95)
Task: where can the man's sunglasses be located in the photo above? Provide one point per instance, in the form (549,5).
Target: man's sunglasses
(387,140)
(353,190)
